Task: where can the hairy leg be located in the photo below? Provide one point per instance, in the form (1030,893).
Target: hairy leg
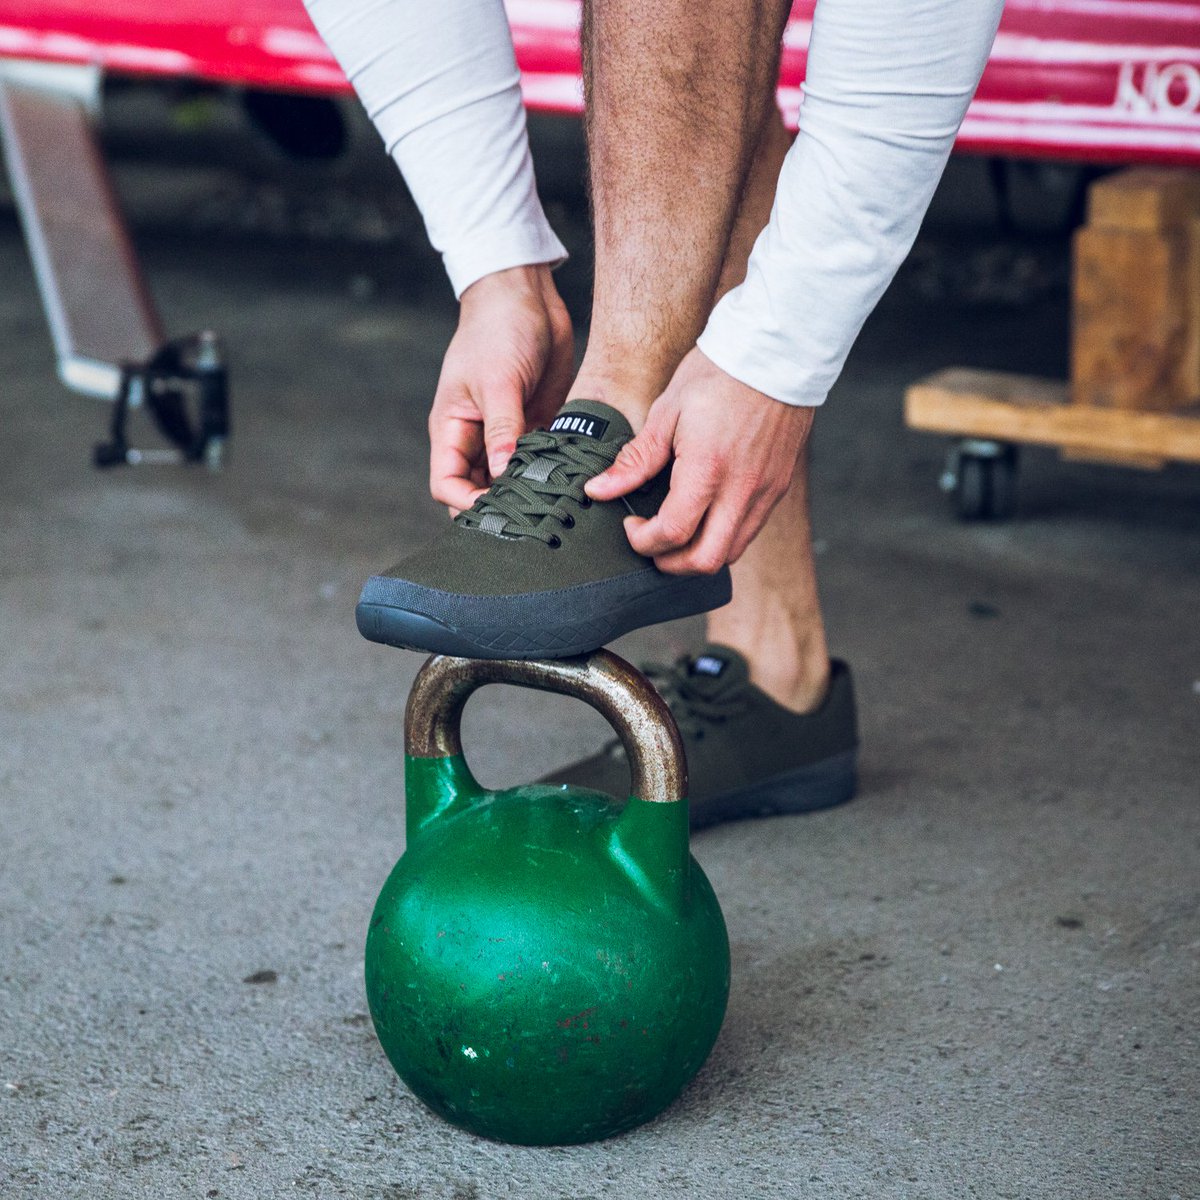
(677,94)
(774,618)
(685,148)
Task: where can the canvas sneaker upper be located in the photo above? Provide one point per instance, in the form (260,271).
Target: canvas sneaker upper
(536,568)
(740,744)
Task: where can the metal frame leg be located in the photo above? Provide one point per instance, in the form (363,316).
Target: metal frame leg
(107,335)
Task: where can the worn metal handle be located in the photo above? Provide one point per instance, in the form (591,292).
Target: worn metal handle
(615,688)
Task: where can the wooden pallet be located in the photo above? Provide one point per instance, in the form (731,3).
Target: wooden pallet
(1002,407)
(1134,394)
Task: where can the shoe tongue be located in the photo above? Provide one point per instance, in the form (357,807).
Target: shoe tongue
(591,419)
(716,668)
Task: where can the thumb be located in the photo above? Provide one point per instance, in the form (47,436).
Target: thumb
(503,422)
(638,462)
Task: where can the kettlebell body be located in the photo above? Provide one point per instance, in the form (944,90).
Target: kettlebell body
(544,965)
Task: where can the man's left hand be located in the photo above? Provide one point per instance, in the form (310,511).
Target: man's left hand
(735,452)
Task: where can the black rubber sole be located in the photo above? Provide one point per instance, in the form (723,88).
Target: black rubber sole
(525,631)
(825,784)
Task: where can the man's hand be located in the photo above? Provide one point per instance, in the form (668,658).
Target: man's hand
(735,452)
(506,371)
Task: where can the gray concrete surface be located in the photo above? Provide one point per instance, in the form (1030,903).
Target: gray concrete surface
(978,980)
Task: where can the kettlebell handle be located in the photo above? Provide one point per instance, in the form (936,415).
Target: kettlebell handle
(615,688)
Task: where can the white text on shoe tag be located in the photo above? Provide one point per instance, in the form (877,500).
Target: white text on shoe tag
(580,424)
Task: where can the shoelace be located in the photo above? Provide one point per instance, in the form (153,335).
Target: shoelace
(545,470)
(696,708)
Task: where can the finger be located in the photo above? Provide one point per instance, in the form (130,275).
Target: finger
(638,462)
(750,527)
(676,522)
(479,485)
(553,386)
(503,422)
(711,548)
(458,495)
(455,448)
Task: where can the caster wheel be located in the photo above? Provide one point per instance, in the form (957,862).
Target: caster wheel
(981,478)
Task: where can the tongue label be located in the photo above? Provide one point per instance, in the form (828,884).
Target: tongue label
(580,424)
(707,664)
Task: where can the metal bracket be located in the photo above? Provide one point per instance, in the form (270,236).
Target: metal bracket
(108,339)
(969,448)
(81,81)
(185,387)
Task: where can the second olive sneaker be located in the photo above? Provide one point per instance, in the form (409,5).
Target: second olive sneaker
(535,568)
(747,756)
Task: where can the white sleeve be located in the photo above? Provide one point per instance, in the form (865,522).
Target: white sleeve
(888,84)
(440,82)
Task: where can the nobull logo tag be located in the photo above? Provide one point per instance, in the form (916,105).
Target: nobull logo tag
(580,424)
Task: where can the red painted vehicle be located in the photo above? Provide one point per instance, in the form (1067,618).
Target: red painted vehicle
(1104,81)
(1097,80)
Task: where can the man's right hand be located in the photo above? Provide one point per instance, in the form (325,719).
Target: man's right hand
(506,371)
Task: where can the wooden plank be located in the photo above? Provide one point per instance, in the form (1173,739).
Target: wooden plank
(1021,408)
(1139,462)
(1145,199)
(1191,353)
(1130,319)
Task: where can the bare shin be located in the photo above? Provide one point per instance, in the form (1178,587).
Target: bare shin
(677,94)
(775,617)
(684,160)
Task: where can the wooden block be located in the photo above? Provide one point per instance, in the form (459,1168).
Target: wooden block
(1149,199)
(1191,353)
(964,388)
(1112,458)
(1131,319)
(1004,407)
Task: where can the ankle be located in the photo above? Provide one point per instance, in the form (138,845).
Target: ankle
(801,689)
(793,672)
(630,392)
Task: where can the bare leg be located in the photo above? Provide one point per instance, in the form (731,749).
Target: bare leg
(677,93)
(774,618)
(671,152)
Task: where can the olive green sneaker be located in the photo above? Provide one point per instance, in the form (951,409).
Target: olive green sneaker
(747,756)
(535,568)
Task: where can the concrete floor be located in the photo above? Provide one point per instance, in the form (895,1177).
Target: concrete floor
(978,980)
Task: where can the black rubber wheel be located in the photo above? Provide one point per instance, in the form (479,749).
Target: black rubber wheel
(972,489)
(1002,503)
(986,485)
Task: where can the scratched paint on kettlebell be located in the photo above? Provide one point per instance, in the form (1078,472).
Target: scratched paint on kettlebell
(626,998)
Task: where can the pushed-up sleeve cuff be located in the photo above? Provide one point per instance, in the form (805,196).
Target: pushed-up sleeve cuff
(761,358)
(488,251)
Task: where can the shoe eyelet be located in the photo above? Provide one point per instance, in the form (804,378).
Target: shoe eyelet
(554,542)
(568,521)
(585,502)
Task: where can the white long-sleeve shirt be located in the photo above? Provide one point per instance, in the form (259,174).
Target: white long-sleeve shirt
(440,83)
(888,83)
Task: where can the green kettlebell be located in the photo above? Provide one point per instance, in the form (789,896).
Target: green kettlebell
(544,965)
